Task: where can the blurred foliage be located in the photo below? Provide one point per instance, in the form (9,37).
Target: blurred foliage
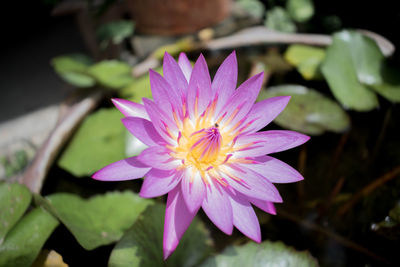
(14,200)
(112,73)
(138,89)
(185,44)
(300,10)
(24,241)
(99,141)
(308,111)
(352,64)
(279,19)
(135,249)
(284,19)
(265,254)
(15,163)
(114,32)
(254,7)
(389,87)
(74,69)
(97,221)
(307,60)
(272,62)
(79,70)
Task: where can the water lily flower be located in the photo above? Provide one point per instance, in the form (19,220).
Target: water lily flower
(204,148)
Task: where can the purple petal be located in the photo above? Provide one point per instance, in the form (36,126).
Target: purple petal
(218,208)
(275,170)
(174,75)
(177,220)
(166,98)
(126,169)
(159,182)
(193,191)
(264,205)
(252,184)
(185,66)
(199,89)
(261,143)
(244,218)
(265,111)
(159,120)
(242,100)
(224,83)
(143,130)
(158,157)
(130,109)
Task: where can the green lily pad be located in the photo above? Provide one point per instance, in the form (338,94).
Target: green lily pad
(390,86)
(115,31)
(24,241)
(308,111)
(142,244)
(307,60)
(388,91)
(73,69)
(352,61)
(278,19)
(112,73)
(300,10)
(139,88)
(78,79)
(14,200)
(99,141)
(100,220)
(265,254)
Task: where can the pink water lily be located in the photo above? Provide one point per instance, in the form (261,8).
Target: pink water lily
(204,148)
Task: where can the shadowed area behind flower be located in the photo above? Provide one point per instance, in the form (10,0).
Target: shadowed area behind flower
(204,150)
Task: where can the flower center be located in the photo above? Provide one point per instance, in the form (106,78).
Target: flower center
(205,145)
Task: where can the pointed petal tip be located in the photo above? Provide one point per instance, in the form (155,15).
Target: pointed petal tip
(259,75)
(182,55)
(95,176)
(99,175)
(257,239)
(306,138)
(167,253)
(284,98)
(117,101)
(299,178)
(152,73)
(166,54)
(228,231)
(232,55)
(202,61)
(278,198)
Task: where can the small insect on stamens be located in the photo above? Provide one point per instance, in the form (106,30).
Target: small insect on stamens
(216,125)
